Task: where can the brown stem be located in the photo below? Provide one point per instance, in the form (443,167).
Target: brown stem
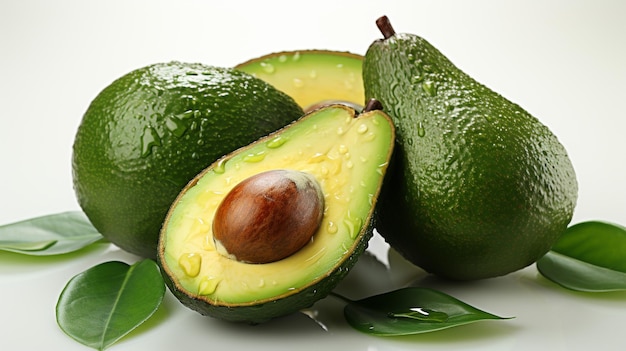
(373,105)
(384,25)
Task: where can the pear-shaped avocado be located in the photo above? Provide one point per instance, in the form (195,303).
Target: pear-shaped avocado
(272,227)
(312,77)
(480,188)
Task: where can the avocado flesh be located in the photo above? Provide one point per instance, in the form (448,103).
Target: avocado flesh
(479,187)
(311,76)
(348,156)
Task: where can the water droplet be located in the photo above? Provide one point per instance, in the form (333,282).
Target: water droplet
(195,156)
(429,88)
(261,283)
(410,57)
(343,149)
(296,56)
(298,83)
(268,67)
(362,129)
(420,129)
(282,58)
(149,138)
(208,285)
(253,158)
(340,131)
(369,136)
(381,168)
(185,115)
(363,159)
(317,158)
(176,126)
(276,142)
(421,314)
(417,78)
(353,225)
(190,264)
(220,167)
(331,227)
(349,164)
(313,74)
(312,293)
(324,171)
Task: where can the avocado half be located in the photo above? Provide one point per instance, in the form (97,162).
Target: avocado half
(312,77)
(347,154)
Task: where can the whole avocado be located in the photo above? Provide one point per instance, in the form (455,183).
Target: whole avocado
(480,188)
(148,133)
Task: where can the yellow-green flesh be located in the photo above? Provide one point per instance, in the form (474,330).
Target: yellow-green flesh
(311,76)
(348,156)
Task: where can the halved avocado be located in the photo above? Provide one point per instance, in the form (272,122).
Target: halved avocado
(344,153)
(312,76)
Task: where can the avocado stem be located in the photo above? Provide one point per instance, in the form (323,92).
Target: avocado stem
(385,27)
(372,105)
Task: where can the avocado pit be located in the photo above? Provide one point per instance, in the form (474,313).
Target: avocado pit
(268,216)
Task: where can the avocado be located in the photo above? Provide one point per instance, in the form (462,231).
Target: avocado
(149,132)
(479,187)
(312,77)
(332,161)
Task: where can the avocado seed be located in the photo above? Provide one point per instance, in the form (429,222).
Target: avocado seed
(269,216)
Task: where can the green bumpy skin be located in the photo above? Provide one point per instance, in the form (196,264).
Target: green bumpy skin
(152,130)
(348,157)
(479,187)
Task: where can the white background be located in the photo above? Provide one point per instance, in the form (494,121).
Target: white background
(563,61)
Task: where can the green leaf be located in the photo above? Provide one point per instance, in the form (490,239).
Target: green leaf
(411,311)
(104,303)
(589,256)
(49,235)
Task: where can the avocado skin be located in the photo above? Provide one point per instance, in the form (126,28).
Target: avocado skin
(125,192)
(289,303)
(479,188)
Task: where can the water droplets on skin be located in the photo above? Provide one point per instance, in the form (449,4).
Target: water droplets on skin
(429,88)
(282,58)
(420,129)
(421,314)
(176,126)
(149,139)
